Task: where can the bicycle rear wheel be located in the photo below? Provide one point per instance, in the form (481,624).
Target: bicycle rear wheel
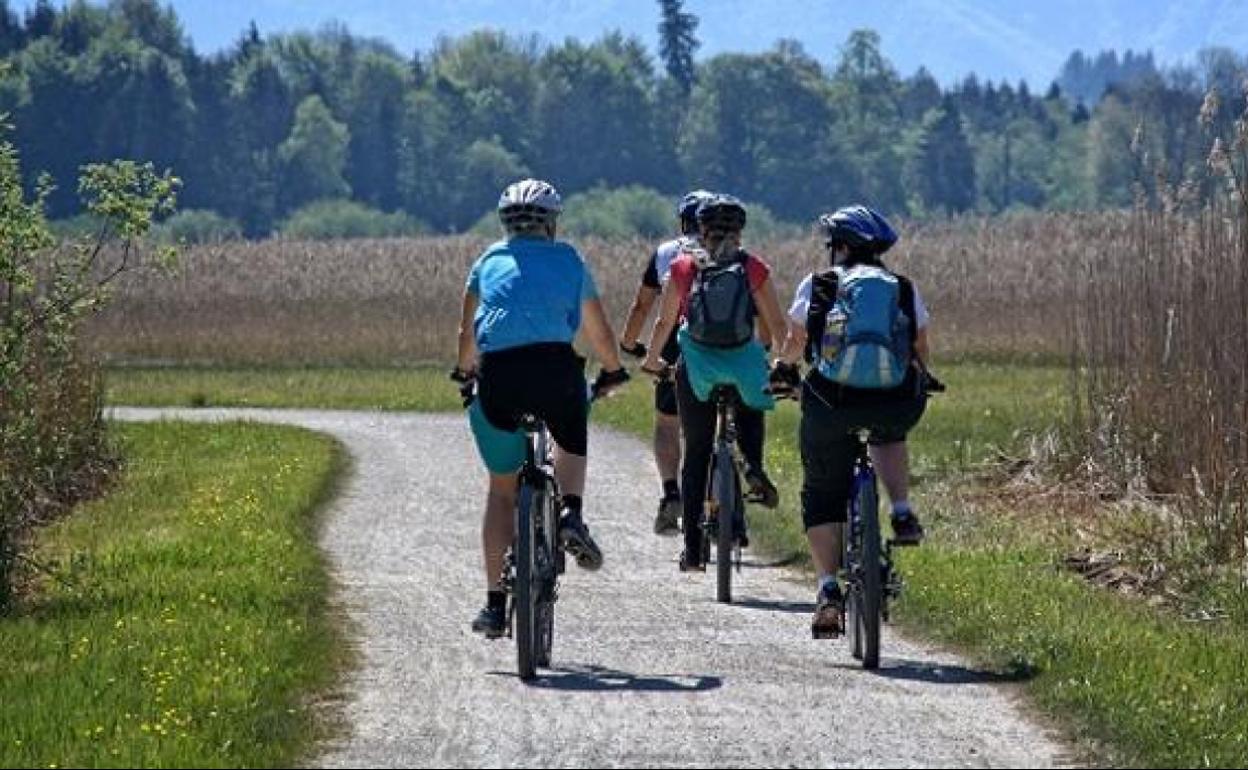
(527,589)
(872,593)
(547,576)
(725,493)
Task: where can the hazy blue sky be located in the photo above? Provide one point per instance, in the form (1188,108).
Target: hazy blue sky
(1001,39)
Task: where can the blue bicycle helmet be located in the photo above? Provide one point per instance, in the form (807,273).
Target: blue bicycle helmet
(722,212)
(859,227)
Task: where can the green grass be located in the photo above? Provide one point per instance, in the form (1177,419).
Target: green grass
(423,390)
(187,625)
(1145,687)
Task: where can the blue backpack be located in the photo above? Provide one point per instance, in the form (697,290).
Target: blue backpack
(860,327)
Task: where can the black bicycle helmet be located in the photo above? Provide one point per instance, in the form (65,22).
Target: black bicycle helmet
(722,212)
(859,227)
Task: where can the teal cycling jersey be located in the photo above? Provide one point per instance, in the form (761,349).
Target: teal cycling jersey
(530,290)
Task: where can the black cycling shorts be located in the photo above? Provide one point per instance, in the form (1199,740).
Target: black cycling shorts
(546,380)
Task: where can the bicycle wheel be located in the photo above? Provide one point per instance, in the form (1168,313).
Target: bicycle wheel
(724,493)
(547,571)
(872,594)
(527,588)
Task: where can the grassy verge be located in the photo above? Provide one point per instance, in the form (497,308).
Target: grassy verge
(1145,686)
(186,624)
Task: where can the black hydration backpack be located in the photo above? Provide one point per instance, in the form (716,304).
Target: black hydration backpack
(721,306)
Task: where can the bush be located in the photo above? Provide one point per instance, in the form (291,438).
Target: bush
(52,443)
(340,219)
(194,226)
(625,212)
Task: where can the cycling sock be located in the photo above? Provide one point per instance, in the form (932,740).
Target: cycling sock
(671,489)
(826,580)
(572,504)
(902,508)
(496,600)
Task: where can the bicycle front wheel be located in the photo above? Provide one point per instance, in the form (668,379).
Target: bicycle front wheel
(527,590)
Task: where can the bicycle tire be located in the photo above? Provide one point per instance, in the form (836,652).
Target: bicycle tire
(724,493)
(872,584)
(526,588)
(548,575)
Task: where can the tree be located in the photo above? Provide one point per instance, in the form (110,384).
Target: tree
(373,118)
(314,157)
(762,128)
(595,114)
(677,43)
(941,170)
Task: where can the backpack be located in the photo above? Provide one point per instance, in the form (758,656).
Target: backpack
(860,328)
(721,309)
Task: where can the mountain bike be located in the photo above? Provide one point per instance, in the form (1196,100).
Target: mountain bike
(724,513)
(870,577)
(532,565)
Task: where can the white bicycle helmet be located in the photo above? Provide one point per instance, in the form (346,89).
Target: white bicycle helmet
(528,204)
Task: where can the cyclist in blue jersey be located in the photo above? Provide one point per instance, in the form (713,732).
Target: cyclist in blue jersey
(525,299)
(666,419)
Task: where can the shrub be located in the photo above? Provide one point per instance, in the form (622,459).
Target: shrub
(340,219)
(52,447)
(194,226)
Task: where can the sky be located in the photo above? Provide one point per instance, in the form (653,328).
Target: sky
(995,39)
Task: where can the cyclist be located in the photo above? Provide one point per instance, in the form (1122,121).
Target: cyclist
(524,300)
(717,289)
(666,421)
(855,238)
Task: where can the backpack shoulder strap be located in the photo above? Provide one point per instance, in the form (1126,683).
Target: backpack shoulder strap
(823,287)
(906,299)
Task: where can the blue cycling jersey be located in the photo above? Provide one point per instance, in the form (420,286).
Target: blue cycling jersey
(530,291)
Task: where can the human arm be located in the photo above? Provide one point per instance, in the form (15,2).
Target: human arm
(643,302)
(664,325)
(467,358)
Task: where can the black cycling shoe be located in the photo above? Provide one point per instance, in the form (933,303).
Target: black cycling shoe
(828,620)
(761,490)
(575,538)
(686,565)
(491,622)
(906,529)
(667,521)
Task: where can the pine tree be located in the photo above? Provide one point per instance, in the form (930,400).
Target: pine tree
(677,43)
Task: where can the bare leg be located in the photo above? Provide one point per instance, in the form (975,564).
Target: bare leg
(667,445)
(570,472)
(893,463)
(498,528)
(827,544)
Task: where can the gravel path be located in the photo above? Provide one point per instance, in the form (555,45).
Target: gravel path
(649,669)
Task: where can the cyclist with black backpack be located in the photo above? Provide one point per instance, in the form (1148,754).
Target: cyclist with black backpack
(666,421)
(718,288)
(863,330)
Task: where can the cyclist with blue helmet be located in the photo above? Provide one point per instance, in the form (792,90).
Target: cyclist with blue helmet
(666,422)
(524,301)
(888,397)
(716,292)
